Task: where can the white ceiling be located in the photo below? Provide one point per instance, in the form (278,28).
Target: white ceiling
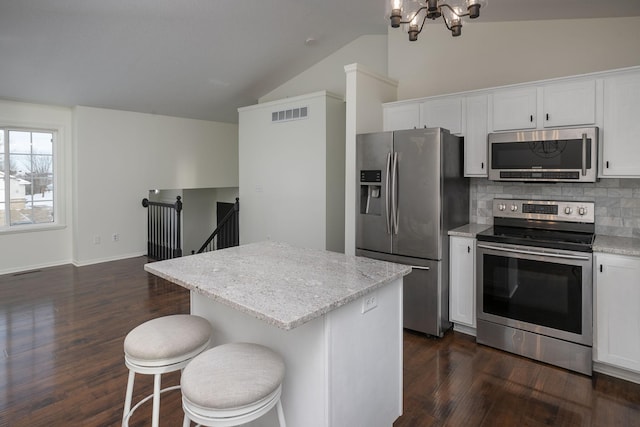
(200,59)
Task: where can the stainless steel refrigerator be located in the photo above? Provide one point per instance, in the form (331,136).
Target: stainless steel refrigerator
(410,191)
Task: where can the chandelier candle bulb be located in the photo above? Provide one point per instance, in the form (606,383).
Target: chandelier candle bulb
(413,31)
(456,27)
(396,18)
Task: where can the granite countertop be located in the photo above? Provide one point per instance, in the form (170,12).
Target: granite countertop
(280,284)
(468,230)
(617,245)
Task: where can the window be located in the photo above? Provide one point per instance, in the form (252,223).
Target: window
(26,177)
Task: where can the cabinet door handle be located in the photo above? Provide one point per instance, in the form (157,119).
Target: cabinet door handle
(531,118)
(600,268)
(607,164)
(481,165)
(468,249)
(547,116)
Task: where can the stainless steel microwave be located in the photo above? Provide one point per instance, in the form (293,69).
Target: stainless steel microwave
(550,155)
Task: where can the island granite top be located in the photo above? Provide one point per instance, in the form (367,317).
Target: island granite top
(283,285)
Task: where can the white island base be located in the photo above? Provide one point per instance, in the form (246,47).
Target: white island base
(343,369)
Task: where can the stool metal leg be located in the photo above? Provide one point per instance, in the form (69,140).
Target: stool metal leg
(155,421)
(129,395)
(280,414)
(186,422)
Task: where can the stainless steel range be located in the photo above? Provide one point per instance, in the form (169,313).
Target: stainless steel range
(534,279)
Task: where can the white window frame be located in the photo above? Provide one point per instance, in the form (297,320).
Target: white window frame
(58,210)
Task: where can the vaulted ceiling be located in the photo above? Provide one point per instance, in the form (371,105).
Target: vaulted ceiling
(200,59)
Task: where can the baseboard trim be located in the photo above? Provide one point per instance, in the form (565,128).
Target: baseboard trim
(614,371)
(108,259)
(28,268)
(468,330)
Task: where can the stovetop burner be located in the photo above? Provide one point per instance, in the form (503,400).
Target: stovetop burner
(547,224)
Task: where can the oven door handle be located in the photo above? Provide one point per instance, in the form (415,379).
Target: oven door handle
(527,252)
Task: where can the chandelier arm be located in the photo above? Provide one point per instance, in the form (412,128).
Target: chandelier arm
(414,15)
(446,23)
(422,26)
(452,10)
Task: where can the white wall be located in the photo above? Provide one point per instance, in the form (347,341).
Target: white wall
(283,167)
(328,74)
(499,53)
(35,249)
(120,156)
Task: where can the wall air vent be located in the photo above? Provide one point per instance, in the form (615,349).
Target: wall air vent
(288,115)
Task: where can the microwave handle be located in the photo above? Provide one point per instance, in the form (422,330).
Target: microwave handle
(584,154)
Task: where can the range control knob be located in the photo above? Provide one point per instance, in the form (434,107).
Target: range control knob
(568,210)
(514,208)
(582,210)
(502,207)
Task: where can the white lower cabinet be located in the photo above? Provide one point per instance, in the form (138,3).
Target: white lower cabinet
(462,283)
(617,311)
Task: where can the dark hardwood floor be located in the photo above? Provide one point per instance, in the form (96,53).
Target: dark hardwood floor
(62,329)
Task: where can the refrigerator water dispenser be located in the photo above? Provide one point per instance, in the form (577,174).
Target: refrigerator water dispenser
(370,189)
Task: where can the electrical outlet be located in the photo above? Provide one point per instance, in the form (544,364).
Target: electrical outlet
(369,302)
(96,240)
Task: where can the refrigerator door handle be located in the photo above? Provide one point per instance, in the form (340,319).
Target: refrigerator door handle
(386,194)
(417,267)
(394,193)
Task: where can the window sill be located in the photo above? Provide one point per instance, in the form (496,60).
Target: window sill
(31,228)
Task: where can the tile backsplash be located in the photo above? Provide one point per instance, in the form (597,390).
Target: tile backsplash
(617,201)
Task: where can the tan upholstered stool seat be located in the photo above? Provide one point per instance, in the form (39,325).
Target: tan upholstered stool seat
(161,345)
(167,338)
(237,381)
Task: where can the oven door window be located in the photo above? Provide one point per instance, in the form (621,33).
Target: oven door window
(538,292)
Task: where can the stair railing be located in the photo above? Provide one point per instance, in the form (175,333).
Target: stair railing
(227,232)
(163,229)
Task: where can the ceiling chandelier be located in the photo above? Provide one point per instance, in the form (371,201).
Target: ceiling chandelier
(416,12)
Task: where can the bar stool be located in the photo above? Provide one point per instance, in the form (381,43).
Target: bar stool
(158,346)
(232,384)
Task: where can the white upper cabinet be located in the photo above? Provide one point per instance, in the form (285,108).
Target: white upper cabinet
(440,112)
(401,116)
(514,109)
(569,104)
(475,141)
(443,112)
(621,127)
(609,100)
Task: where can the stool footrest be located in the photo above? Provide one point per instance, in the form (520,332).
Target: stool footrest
(125,421)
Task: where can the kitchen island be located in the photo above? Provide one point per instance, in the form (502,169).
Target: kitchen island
(336,320)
